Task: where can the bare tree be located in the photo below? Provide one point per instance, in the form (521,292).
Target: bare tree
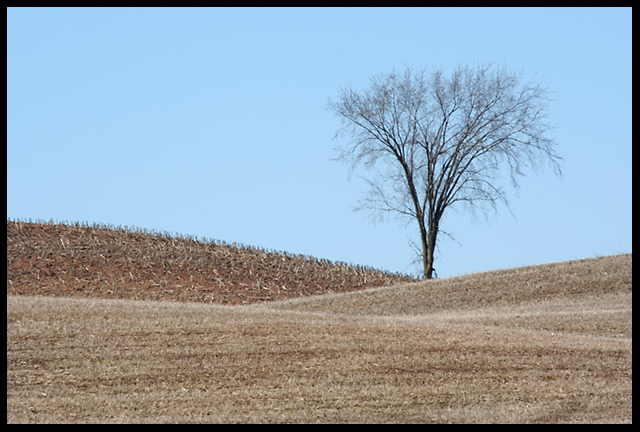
(434,141)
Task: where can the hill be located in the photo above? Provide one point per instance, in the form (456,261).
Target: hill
(542,344)
(99,261)
(569,281)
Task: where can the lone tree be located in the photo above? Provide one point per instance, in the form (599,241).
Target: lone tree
(433,141)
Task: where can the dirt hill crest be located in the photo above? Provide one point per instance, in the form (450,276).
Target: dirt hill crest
(81,260)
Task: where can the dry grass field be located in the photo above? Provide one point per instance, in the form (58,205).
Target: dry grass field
(540,344)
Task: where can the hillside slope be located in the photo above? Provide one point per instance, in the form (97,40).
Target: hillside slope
(543,344)
(98,261)
(540,344)
(567,281)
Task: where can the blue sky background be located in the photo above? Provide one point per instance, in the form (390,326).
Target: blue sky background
(213,123)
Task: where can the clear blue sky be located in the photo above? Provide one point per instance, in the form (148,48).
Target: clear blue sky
(213,122)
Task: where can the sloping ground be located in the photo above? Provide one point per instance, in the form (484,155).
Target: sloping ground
(576,280)
(104,262)
(543,344)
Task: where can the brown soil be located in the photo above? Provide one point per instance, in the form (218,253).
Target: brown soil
(100,261)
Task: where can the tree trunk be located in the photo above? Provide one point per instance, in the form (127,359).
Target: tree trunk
(426,264)
(428,248)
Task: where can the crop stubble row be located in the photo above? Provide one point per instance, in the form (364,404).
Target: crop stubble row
(81,260)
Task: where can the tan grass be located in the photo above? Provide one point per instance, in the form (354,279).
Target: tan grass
(385,355)
(570,280)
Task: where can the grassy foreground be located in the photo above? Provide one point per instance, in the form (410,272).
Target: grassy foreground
(549,343)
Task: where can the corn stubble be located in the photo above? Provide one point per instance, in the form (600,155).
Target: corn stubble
(548,344)
(81,260)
